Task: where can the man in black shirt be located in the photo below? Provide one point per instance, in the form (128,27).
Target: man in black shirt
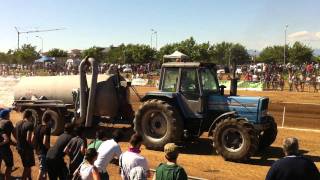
(55,156)
(293,166)
(6,127)
(41,141)
(23,132)
(76,149)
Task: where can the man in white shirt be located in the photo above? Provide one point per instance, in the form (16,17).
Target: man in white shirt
(107,151)
(132,164)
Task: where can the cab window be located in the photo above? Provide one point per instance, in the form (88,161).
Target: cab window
(189,81)
(209,82)
(170,79)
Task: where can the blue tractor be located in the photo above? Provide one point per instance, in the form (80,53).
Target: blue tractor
(190,101)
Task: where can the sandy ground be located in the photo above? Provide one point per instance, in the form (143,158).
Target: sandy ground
(199,159)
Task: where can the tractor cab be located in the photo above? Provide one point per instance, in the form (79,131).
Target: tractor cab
(192,82)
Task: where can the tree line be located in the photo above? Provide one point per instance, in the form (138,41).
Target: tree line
(223,53)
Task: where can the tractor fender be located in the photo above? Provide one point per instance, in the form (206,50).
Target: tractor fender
(164,97)
(170,98)
(219,118)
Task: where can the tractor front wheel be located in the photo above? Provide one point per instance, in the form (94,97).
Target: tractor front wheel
(235,139)
(268,136)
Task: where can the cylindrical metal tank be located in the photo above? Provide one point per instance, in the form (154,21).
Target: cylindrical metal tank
(61,87)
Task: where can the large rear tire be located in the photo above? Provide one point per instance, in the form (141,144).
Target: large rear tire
(159,123)
(235,139)
(57,123)
(268,136)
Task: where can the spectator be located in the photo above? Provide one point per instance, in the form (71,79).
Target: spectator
(107,151)
(302,80)
(23,133)
(293,165)
(55,156)
(170,170)
(6,127)
(41,141)
(100,137)
(290,81)
(132,164)
(76,149)
(87,170)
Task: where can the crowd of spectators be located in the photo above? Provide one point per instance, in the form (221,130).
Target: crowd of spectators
(279,77)
(305,77)
(72,68)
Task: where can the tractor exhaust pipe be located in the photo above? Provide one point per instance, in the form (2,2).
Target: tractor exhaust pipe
(87,96)
(234,82)
(233,86)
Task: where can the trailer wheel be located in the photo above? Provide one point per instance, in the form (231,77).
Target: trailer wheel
(268,136)
(57,124)
(35,116)
(159,123)
(235,139)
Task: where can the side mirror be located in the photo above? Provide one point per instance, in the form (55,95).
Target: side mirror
(222,87)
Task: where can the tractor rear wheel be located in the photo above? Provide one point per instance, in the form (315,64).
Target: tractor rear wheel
(268,136)
(235,139)
(159,123)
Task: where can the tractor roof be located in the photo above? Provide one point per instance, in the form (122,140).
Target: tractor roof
(187,64)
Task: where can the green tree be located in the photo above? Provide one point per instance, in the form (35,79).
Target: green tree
(196,52)
(239,54)
(300,53)
(57,53)
(26,54)
(115,54)
(94,52)
(272,54)
(138,53)
(220,53)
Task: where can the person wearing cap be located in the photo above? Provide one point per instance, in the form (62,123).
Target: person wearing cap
(6,128)
(170,170)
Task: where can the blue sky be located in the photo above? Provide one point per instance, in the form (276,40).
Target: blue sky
(255,24)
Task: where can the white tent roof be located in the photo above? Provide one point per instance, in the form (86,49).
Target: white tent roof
(176,55)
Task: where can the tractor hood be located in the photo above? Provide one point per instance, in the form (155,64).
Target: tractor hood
(252,108)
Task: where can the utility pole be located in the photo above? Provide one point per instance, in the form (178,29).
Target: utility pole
(285,44)
(18,35)
(151,37)
(154,32)
(41,43)
(33,31)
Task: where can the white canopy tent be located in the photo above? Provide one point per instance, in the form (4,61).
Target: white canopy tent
(176,55)
(75,62)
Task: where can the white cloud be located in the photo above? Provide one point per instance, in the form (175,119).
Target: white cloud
(304,36)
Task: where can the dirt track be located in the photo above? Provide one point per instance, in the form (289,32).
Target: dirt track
(199,159)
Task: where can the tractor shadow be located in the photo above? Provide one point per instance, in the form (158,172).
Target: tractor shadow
(125,131)
(268,156)
(200,146)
